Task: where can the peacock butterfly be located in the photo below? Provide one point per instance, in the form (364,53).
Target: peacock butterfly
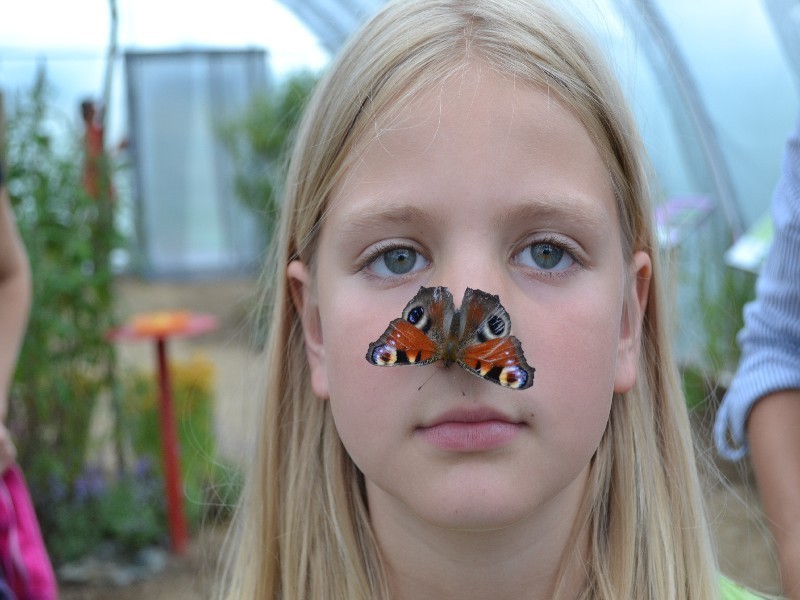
(475,336)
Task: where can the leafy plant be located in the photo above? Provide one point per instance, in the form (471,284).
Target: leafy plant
(723,317)
(713,296)
(210,487)
(259,141)
(65,364)
(126,511)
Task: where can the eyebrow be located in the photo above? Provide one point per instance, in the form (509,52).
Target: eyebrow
(555,209)
(355,221)
(538,209)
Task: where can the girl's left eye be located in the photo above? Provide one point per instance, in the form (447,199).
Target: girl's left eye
(545,256)
(396,262)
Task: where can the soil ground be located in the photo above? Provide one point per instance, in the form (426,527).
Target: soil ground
(740,530)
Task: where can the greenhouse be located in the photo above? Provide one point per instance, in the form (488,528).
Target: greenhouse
(144,148)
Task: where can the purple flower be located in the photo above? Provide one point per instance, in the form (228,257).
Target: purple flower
(89,485)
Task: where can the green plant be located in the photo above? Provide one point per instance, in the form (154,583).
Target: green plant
(259,141)
(695,387)
(722,309)
(210,487)
(712,300)
(65,364)
(126,511)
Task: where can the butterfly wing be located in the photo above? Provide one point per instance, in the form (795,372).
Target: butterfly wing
(500,361)
(402,344)
(486,347)
(416,338)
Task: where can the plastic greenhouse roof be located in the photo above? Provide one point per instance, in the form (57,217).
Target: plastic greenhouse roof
(332,21)
(714,86)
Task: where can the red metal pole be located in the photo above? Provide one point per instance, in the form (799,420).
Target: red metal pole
(170,452)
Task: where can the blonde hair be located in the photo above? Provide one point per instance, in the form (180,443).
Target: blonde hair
(303,528)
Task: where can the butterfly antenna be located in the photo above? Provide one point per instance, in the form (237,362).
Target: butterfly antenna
(426,381)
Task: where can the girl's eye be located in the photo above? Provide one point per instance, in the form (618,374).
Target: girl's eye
(546,256)
(397,261)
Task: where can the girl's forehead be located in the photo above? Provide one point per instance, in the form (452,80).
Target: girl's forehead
(480,134)
(475,97)
(474,108)
(465,89)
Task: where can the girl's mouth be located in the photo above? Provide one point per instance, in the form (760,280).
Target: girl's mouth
(471,430)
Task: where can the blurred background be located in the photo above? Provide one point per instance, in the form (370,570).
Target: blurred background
(144,145)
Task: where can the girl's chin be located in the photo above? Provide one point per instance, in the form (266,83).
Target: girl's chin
(476,522)
(483,514)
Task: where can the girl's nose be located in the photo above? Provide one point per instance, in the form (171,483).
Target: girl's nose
(473,267)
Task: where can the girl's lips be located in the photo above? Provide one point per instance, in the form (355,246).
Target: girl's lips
(470,430)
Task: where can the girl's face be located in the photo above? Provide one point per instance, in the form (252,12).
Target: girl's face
(490,184)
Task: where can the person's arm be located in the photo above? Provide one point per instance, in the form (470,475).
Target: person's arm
(15,301)
(771,336)
(761,410)
(772,431)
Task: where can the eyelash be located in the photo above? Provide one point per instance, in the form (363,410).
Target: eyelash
(381,249)
(570,249)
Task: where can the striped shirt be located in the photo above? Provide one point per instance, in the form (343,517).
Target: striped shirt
(770,339)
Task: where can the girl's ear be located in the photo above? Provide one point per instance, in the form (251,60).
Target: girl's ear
(630,328)
(307,307)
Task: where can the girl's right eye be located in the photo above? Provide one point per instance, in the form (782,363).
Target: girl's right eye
(396,262)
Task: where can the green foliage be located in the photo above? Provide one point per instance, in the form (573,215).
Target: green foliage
(723,316)
(132,512)
(695,388)
(65,363)
(127,511)
(210,488)
(716,295)
(722,311)
(259,142)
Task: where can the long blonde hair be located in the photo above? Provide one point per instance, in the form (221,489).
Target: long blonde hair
(302,528)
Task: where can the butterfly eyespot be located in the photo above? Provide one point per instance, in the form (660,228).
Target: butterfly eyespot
(514,377)
(415,315)
(496,325)
(493,328)
(418,316)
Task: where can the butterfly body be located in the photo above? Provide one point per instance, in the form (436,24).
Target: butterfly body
(475,337)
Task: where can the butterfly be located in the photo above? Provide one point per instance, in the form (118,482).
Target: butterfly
(476,337)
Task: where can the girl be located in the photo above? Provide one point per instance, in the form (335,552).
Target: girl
(481,144)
